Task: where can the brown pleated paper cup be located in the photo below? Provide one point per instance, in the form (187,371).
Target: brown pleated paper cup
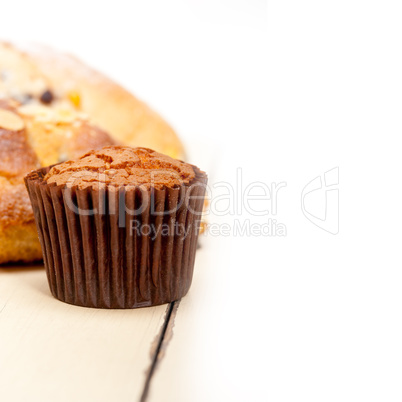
(117,247)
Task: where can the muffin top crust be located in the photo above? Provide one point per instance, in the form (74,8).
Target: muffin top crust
(118,166)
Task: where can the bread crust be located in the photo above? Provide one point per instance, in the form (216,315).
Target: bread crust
(20,244)
(110,106)
(21,151)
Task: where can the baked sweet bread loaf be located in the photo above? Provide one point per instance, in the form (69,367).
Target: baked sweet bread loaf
(37,72)
(46,99)
(33,136)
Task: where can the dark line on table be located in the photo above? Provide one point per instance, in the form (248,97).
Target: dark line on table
(159,348)
(1,309)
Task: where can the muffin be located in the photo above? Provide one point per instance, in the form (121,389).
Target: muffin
(32,136)
(118,226)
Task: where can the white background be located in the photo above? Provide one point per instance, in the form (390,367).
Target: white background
(287,91)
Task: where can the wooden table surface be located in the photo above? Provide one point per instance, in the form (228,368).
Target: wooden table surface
(52,351)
